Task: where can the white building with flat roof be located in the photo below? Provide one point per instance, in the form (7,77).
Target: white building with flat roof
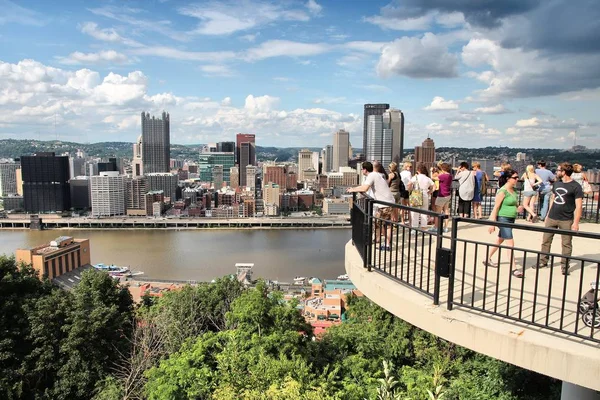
(108,194)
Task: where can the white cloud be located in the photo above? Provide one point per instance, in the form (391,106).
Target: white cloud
(249,38)
(106,35)
(528,122)
(107,107)
(313,7)
(14,13)
(102,57)
(402,24)
(172,53)
(497,109)
(421,58)
(217,70)
(224,18)
(440,104)
(285,48)
(330,100)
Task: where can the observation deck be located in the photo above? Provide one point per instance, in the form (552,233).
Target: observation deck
(438,282)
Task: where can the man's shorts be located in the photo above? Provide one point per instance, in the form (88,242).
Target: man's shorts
(442,201)
(385,213)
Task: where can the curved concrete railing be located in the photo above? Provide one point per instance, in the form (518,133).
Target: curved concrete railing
(553,354)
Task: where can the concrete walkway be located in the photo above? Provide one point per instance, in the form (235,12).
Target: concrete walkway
(543,299)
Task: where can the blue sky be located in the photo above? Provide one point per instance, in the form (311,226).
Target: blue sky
(465,73)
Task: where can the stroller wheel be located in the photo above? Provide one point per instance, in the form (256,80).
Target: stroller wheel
(589,319)
(584,306)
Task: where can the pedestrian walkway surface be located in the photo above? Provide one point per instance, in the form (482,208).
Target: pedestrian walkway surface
(543,299)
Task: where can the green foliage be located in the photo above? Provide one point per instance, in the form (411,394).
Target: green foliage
(56,344)
(220,341)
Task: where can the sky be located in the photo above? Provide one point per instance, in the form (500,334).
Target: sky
(516,73)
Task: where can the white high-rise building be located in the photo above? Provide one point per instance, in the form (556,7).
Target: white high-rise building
(137,164)
(341,145)
(305,162)
(108,194)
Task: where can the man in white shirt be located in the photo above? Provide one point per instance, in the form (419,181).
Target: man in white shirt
(380,191)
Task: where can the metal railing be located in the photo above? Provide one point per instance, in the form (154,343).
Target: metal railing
(591,203)
(397,249)
(542,297)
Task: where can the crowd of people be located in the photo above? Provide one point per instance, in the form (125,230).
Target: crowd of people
(560,196)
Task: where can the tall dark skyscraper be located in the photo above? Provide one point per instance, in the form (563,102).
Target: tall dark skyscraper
(156,143)
(45,183)
(371,109)
(245,153)
(226,147)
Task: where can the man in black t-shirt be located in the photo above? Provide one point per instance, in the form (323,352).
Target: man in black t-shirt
(565,213)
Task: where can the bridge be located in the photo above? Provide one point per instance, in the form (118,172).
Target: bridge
(438,282)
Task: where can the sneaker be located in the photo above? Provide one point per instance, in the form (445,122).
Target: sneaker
(490,263)
(446,230)
(433,229)
(538,266)
(385,248)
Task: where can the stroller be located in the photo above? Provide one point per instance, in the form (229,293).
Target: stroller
(589,316)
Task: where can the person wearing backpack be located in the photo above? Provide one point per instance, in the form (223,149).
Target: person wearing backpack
(420,187)
(481,180)
(466,189)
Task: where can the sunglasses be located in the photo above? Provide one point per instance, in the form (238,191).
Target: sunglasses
(514,177)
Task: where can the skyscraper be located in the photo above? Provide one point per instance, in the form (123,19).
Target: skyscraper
(371,109)
(275,174)
(425,153)
(156,143)
(45,183)
(246,153)
(165,182)
(226,147)
(108,194)
(137,165)
(396,123)
(8,178)
(379,139)
(341,144)
(305,162)
(136,190)
(327,159)
(234,176)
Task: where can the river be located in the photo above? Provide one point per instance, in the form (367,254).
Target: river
(205,254)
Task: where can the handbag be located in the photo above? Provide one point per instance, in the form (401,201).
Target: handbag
(416,195)
(587,188)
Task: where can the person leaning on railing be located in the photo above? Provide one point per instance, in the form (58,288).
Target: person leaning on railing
(564,213)
(381,192)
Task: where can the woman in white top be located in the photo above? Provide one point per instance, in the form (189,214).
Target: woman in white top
(426,185)
(531,184)
(577,175)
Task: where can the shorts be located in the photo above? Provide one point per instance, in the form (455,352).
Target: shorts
(404,194)
(435,193)
(464,206)
(442,201)
(505,233)
(385,213)
(530,193)
(397,197)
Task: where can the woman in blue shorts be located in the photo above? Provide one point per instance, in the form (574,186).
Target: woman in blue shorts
(506,208)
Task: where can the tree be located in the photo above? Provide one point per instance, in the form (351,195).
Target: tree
(97,328)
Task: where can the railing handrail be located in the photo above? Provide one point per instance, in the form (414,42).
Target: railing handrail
(542,229)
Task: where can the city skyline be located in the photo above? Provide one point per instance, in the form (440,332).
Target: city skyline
(294,73)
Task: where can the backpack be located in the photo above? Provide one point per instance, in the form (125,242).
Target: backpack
(416,195)
(484,184)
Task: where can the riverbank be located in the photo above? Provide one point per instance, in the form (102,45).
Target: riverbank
(53,222)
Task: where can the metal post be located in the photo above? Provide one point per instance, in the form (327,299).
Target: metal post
(369,227)
(436,277)
(453,237)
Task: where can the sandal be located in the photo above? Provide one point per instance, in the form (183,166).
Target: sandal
(518,273)
(490,263)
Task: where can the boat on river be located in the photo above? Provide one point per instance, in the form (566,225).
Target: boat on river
(117,271)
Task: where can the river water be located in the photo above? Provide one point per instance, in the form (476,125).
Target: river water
(205,254)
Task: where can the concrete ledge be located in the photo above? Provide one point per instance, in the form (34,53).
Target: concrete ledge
(559,356)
